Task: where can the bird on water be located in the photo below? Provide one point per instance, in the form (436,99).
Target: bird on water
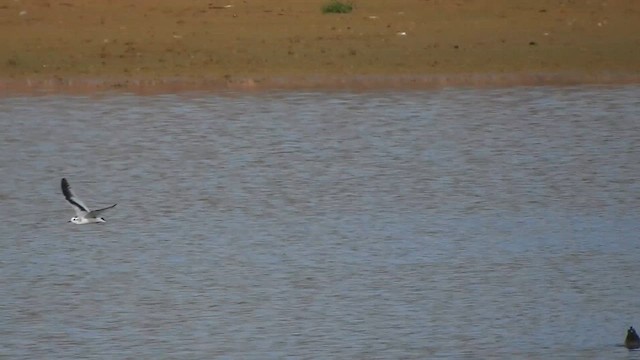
(632,341)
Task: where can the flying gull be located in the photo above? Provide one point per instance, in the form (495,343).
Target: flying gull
(83,214)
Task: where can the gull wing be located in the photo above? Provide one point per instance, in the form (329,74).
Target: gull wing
(95,213)
(77,204)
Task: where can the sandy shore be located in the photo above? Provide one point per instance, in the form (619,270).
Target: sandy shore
(149,46)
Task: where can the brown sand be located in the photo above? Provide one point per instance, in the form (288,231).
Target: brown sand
(147,45)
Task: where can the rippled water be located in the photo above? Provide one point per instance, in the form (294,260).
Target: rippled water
(454,224)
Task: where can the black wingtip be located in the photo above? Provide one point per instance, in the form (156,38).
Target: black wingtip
(64,184)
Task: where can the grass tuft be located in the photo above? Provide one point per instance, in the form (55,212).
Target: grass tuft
(337,7)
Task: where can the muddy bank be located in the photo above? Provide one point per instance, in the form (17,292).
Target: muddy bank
(139,45)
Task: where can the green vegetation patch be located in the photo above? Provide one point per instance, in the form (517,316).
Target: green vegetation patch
(337,7)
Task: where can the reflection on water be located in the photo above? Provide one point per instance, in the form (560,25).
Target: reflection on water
(443,224)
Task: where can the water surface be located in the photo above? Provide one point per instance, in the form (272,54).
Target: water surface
(453,224)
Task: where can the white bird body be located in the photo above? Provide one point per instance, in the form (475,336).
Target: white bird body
(83,214)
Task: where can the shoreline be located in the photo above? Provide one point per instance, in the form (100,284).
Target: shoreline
(145,86)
